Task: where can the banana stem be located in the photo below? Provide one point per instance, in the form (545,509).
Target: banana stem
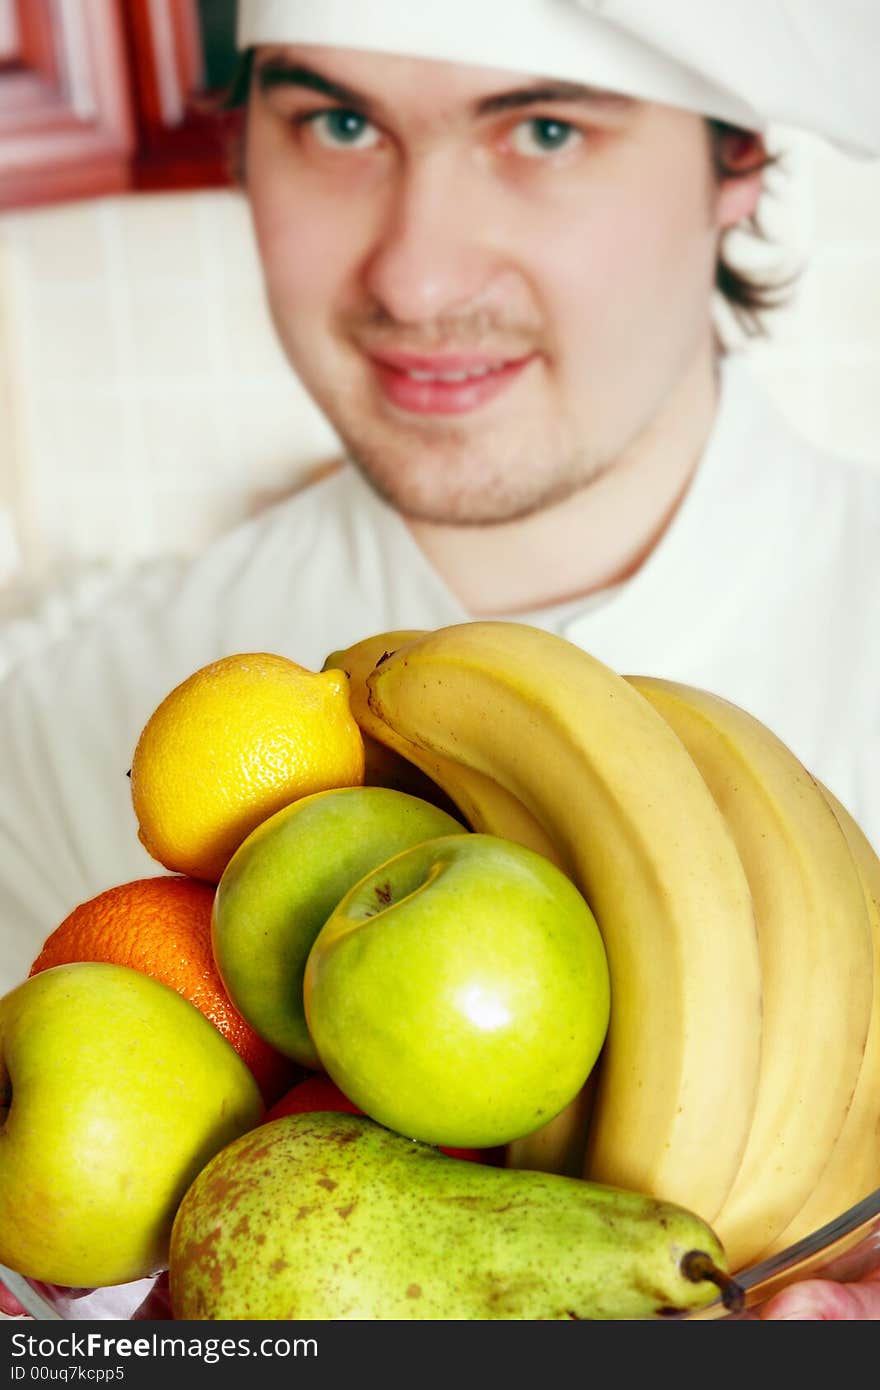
(696,1266)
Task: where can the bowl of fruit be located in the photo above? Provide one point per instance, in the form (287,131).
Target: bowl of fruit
(480,982)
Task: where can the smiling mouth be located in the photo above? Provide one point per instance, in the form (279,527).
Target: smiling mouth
(448,384)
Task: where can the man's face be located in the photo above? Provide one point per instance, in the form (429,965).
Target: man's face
(489,284)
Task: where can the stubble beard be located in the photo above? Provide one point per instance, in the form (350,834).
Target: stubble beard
(455,484)
(462,475)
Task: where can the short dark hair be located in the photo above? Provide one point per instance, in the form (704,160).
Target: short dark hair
(748,296)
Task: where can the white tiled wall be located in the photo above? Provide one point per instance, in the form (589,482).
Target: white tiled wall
(144,404)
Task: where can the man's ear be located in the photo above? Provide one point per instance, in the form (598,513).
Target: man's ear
(741,157)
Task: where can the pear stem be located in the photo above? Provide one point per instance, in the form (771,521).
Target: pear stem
(697,1265)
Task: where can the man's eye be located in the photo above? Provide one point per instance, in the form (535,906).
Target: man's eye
(340,129)
(542,135)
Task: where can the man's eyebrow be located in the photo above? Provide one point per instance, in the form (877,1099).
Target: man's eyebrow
(275,72)
(280,72)
(543,92)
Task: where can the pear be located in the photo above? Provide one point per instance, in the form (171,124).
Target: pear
(332,1216)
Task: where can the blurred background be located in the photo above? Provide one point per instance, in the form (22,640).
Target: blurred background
(144,404)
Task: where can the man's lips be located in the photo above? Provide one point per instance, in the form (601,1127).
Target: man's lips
(444,384)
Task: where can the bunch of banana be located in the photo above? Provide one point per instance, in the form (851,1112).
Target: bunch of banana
(738,900)
(618,794)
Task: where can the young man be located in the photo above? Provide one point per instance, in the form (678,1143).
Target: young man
(491,239)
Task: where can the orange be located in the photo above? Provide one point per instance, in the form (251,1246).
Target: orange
(162,927)
(233,743)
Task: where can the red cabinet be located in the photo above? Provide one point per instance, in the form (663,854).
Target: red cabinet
(102,96)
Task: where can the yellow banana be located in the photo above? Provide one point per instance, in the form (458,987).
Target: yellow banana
(485,805)
(853,1168)
(619,794)
(384,764)
(815,948)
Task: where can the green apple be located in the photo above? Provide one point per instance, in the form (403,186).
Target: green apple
(283,882)
(114,1093)
(459,994)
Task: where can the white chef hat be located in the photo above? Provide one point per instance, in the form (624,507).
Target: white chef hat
(814,64)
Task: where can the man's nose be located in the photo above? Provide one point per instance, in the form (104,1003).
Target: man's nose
(433,253)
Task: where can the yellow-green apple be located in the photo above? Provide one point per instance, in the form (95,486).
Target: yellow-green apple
(459,993)
(114,1093)
(283,882)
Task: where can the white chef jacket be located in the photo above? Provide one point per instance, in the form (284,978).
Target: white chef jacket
(764,588)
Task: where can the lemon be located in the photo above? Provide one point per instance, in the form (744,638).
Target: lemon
(232,744)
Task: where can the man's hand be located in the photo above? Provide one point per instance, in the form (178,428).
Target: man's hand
(824,1300)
